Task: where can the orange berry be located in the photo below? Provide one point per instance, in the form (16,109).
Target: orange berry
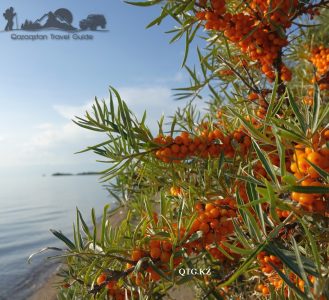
(265,290)
(154,243)
(175,148)
(165,257)
(204,227)
(199,206)
(155,253)
(166,246)
(111,284)
(315,158)
(136,255)
(101,278)
(214,224)
(209,206)
(214,213)
(154,276)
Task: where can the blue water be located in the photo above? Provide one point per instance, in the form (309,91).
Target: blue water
(29,207)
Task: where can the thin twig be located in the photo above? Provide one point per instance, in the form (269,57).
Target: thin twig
(236,73)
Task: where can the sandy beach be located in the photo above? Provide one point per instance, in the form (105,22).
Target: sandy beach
(48,290)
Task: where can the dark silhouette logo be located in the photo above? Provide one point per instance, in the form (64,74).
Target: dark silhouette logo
(92,22)
(61,19)
(9,15)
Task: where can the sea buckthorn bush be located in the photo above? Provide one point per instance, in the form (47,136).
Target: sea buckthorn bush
(240,189)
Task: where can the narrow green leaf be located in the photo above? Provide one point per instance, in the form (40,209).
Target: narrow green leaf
(144,3)
(250,127)
(158,20)
(273,202)
(63,238)
(290,260)
(324,115)
(265,161)
(93,218)
(247,178)
(313,245)
(104,219)
(324,174)
(310,189)
(296,111)
(301,267)
(84,225)
(316,108)
(237,250)
(289,283)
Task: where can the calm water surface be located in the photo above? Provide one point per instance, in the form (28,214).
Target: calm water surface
(29,207)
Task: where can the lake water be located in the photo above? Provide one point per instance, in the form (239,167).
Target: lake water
(29,207)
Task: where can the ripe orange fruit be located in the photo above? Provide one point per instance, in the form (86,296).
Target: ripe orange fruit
(315,158)
(154,276)
(214,224)
(136,255)
(154,243)
(155,253)
(166,246)
(111,284)
(101,278)
(214,213)
(204,227)
(209,206)
(165,257)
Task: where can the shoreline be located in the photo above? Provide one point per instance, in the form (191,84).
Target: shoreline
(48,290)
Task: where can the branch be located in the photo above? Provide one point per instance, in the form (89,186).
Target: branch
(254,89)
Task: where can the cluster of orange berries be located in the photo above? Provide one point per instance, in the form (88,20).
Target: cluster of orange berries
(215,221)
(160,251)
(320,59)
(282,214)
(184,145)
(254,30)
(308,99)
(302,169)
(281,11)
(210,143)
(262,104)
(114,291)
(266,261)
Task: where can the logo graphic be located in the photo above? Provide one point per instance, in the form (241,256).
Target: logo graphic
(92,22)
(9,16)
(61,19)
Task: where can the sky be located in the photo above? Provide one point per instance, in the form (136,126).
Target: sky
(44,84)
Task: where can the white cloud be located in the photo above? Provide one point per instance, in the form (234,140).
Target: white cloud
(152,99)
(179,77)
(71,111)
(155,100)
(55,143)
(51,135)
